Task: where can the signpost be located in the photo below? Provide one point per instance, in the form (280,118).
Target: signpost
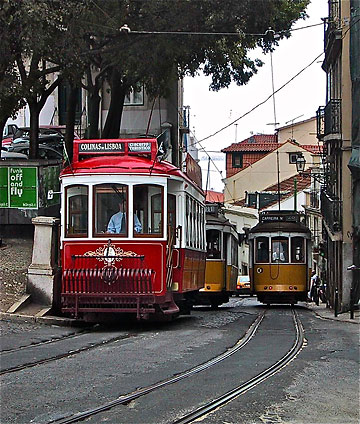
(19,187)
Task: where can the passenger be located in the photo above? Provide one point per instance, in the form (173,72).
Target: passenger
(263,253)
(117,223)
(277,255)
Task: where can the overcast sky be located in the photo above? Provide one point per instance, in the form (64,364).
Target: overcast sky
(210,111)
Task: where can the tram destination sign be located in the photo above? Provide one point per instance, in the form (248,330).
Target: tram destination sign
(139,147)
(279,217)
(103,147)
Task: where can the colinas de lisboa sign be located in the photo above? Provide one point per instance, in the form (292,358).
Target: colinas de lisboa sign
(18,188)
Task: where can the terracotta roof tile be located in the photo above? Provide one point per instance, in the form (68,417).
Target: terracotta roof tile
(312,148)
(303,181)
(258,142)
(214,196)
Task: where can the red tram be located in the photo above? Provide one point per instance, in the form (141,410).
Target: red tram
(132,232)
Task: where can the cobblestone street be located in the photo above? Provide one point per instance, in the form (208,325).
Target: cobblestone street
(15,258)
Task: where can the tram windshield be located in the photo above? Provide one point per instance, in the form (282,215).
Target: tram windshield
(76,211)
(279,249)
(262,250)
(213,241)
(148,209)
(110,209)
(297,250)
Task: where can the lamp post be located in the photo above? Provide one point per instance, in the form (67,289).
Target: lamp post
(300,163)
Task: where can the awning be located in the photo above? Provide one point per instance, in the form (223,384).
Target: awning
(354,162)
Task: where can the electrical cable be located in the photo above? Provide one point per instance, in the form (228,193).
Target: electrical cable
(263,102)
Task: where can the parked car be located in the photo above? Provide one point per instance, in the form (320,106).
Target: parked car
(55,141)
(5,155)
(9,131)
(243,285)
(45,151)
(23,133)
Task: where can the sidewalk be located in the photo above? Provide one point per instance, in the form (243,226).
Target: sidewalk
(326,313)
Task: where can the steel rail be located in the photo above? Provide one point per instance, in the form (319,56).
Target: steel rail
(50,341)
(273,369)
(63,355)
(145,390)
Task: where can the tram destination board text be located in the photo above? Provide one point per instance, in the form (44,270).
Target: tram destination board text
(111,147)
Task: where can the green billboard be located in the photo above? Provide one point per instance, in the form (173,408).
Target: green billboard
(18,188)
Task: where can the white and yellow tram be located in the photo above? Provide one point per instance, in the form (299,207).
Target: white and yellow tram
(280,257)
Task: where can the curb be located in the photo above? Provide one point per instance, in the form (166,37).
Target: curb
(331,317)
(49,320)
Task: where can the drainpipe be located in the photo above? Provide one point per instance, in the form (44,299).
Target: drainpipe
(295,194)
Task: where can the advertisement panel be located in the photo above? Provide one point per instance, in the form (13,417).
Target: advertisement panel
(19,188)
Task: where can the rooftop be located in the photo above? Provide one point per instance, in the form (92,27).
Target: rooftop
(258,142)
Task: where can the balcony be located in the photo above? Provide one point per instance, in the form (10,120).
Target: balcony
(314,200)
(331,212)
(328,119)
(333,34)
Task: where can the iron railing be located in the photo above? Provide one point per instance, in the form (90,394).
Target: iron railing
(329,119)
(332,24)
(331,211)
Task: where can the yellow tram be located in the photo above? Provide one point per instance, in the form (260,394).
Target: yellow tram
(222,243)
(280,257)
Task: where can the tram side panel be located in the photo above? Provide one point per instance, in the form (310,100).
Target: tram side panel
(189,274)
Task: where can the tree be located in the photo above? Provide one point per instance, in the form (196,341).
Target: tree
(146,56)
(11,99)
(38,35)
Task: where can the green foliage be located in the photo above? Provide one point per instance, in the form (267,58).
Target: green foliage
(78,37)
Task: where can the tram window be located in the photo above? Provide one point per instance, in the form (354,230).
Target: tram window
(297,250)
(213,240)
(76,211)
(187,217)
(148,209)
(234,251)
(110,209)
(262,250)
(279,249)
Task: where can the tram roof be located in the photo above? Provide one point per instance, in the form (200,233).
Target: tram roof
(280,226)
(120,165)
(114,164)
(220,221)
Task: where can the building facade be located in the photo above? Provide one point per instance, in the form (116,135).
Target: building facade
(335,130)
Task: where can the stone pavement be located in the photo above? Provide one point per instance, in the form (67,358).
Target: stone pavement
(326,313)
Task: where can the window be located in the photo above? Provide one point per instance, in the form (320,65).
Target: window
(279,249)
(262,250)
(297,250)
(135,97)
(148,210)
(76,211)
(110,209)
(293,157)
(171,210)
(213,244)
(237,160)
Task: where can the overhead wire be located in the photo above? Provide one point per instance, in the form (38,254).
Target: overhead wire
(262,102)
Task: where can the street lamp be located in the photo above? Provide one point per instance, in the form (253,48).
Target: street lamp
(300,163)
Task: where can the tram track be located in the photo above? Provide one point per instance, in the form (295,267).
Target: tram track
(46,342)
(66,354)
(244,387)
(125,399)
